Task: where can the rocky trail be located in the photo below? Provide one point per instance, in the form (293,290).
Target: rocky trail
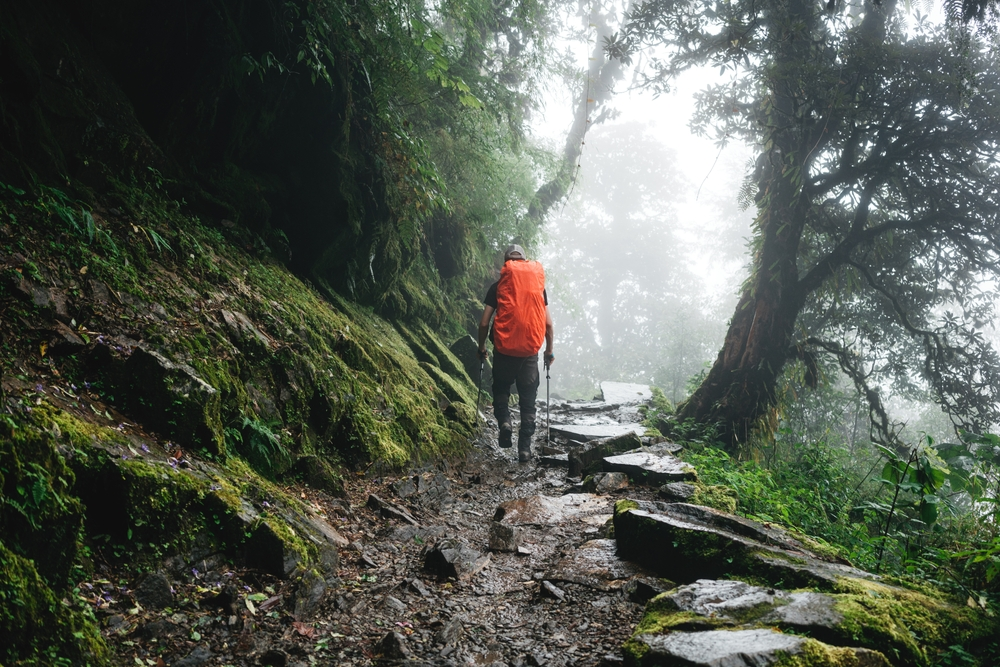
(492,562)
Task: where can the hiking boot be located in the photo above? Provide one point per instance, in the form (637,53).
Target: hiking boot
(506,433)
(524,449)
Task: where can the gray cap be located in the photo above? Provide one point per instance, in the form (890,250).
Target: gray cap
(514,251)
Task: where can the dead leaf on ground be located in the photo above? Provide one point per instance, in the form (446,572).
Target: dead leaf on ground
(304,629)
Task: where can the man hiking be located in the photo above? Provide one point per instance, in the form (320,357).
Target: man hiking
(522,322)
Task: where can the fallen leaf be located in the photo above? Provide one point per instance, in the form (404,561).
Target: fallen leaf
(253,610)
(83,270)
(270,602)
(160,663)
(43,347)
(307,631)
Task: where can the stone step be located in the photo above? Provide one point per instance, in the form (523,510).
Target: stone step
(646,467)
(688,542)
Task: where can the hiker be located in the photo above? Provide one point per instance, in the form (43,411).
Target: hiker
(522,322)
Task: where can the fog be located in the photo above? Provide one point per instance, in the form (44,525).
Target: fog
(644,259)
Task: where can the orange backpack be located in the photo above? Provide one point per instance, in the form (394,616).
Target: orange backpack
(519,327)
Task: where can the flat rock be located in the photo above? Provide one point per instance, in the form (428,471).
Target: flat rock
(389,510)
(689,542)
(585,457)
(553,460)
(745,648)
(649,468)
(451,558)
(543,510)
(677,492)
(621,393)
(587,432)
(595,564)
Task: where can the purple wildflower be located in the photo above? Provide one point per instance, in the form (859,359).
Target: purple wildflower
(142,446)
(39,388)
(266,504)
(194,571)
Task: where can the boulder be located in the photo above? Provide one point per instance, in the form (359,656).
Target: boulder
(451,558)
(309,595)
(650,468)
(676,492)
(171,398)
(155,591)
(743,648)
(689,542)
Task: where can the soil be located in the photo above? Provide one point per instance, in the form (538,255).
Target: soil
(386,607)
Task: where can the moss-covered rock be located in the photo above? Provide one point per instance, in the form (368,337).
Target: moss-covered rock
(37,627)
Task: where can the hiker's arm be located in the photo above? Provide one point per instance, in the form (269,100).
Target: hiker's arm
(548,337)
(484,328)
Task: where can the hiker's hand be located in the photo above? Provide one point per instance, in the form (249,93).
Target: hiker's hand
(549,358)
(482,354)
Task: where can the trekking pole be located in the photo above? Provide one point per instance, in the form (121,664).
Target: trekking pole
(547,402)
(479,395)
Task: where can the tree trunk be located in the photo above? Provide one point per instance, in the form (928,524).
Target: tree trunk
(739,391)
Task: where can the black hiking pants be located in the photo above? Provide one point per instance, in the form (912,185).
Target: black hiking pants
(522,371)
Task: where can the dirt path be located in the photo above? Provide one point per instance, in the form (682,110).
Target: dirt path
(562,598)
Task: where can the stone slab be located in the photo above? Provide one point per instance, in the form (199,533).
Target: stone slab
(583,458)
(594,431)
(622,393)
(543,510)
(649,468)
(688,542)
(746,648)
(596,564)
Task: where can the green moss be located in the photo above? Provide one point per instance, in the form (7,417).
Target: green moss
(908,626)
(624,505)
(718,497)
(817,654)
(38,628)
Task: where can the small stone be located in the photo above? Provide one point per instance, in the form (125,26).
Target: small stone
(449,633)
(606,482)
(420,588)
(389,510)
(395,604)
(523,551)
(551,590)
(504,537)
(393,647)
(451,558)
(154,591)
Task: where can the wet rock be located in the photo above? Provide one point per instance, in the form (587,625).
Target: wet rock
(451,558)
(677,492)
(393,647)
(584,458)
(504,537)
(450,633)
(227,600)
(606,482)
(623,393)
(689,542)
(544,510)
(595,564)
(553,460)
(549,589)
(743,648)
(309,595)
(649,468)
(171,398)
(389,510)
(585,432)
(242,329)
(195,658)
(65,340)
(155,591)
